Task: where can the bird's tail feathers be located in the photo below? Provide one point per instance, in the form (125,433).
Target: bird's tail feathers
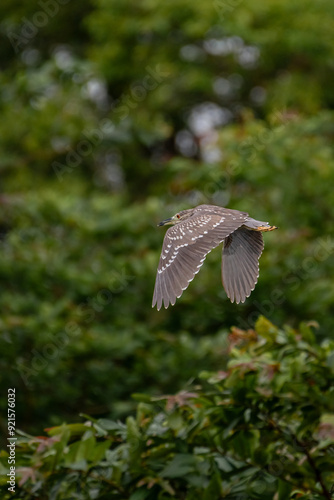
(257,225)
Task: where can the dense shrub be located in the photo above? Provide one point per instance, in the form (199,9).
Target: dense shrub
(262,428)
(114,115)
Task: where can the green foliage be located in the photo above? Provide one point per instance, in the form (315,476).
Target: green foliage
(262,427)
(114,115)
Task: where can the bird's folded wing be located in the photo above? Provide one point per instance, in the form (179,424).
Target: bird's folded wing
(184,250)
(240,263)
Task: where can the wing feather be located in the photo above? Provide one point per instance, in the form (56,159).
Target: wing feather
(240,263)
(185,247)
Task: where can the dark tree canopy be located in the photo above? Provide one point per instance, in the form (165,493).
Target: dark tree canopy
(116,114)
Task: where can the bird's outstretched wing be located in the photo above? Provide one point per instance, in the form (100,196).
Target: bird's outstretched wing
(240,263)
(184,250)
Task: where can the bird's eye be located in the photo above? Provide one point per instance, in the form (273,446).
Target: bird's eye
(178,216)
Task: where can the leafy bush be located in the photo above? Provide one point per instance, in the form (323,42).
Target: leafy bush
(128,113)
(262,428)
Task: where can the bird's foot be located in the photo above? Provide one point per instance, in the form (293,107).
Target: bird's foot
(266,228)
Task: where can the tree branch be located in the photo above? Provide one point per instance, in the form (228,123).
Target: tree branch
(310,460)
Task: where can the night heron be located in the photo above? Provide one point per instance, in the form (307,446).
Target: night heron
(194,234)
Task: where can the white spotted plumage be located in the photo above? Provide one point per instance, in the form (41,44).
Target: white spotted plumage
(194,235)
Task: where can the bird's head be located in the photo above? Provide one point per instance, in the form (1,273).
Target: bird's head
(179,217)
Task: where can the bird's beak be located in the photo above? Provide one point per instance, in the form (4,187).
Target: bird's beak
(170,220)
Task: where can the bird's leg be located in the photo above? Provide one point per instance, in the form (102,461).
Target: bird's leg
(265,228)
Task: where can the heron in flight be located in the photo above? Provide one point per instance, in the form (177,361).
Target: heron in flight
(197,231)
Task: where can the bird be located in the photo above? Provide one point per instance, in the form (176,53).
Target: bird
(197,231)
